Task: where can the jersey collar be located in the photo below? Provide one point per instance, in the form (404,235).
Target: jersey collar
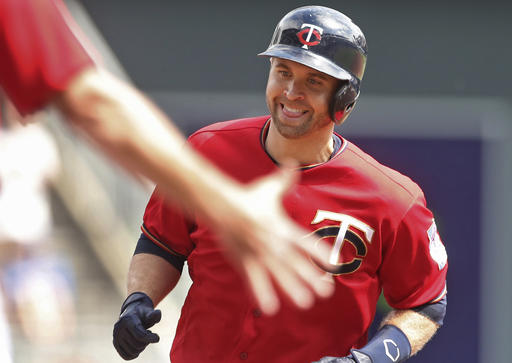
(339,145)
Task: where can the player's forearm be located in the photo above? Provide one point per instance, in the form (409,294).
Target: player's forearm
(132,131)
(151,275)
(418,328)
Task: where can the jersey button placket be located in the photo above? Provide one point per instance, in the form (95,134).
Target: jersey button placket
(248,334)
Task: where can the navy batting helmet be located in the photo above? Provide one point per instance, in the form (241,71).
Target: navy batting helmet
(328,41)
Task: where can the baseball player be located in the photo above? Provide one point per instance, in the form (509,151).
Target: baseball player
(45,60)
(382,236)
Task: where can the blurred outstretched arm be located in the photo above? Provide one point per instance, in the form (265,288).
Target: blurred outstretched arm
(263,242)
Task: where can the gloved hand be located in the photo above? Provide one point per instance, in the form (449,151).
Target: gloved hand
(335,360)
(355,357)
(131,336)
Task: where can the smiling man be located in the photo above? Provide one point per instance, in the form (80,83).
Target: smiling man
(382,235)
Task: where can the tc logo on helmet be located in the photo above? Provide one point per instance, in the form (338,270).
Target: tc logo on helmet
(308,31)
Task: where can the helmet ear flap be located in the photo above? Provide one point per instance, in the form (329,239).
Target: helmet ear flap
(344,100)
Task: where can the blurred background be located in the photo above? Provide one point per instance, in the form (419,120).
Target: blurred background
(436,104)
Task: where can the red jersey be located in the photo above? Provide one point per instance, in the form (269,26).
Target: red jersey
(40,51)
(383,238)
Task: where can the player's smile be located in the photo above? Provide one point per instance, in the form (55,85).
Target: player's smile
(291,121)
(292,112)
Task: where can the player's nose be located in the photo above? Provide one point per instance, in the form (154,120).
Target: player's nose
(293,91)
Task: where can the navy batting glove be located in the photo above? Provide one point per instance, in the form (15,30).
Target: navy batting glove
(131,336)
(389,345)
(336,360)
(355,357)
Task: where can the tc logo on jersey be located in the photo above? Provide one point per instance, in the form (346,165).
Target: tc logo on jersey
(305,35)
(341,234)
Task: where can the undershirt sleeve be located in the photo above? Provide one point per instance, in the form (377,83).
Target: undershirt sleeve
(145,245)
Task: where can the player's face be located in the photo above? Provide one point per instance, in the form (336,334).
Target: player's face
(298,98)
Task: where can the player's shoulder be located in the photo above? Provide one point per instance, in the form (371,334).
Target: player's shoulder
(387,180)
(234,125)
(234,128)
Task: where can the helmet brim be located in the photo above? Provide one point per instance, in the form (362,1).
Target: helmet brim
(307,58)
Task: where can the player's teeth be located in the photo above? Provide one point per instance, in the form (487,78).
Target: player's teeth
(294,110)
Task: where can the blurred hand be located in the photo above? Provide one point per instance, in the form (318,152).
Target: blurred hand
(131,336)
(268,247)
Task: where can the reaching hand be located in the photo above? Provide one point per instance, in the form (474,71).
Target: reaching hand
(268,247)
(131,336)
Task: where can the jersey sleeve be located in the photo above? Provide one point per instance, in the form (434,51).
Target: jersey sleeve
(167,226)
(415,264)
(41,51)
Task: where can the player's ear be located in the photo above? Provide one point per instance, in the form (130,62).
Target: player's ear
(340,116)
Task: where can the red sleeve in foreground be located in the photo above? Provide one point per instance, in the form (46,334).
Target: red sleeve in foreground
(41,49)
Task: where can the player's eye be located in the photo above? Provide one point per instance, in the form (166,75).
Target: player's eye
(314,81)
(283,73)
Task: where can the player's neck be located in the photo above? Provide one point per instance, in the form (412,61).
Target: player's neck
(310,149)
